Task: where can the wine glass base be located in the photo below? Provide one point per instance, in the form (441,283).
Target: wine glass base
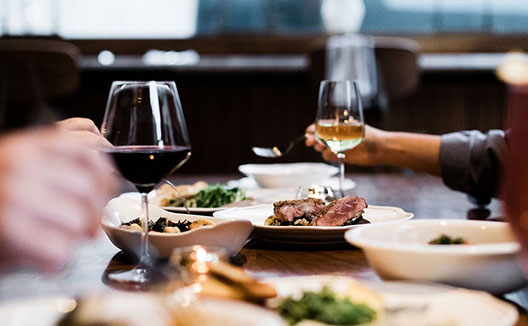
(141,277)
(137,275)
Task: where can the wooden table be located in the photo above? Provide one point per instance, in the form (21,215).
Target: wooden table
(421,194)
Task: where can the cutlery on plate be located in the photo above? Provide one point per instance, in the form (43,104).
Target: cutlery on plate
(279,150)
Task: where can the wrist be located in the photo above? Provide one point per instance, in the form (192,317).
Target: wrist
(383,149)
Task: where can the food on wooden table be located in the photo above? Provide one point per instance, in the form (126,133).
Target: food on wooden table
(444,239)
(199,195)
(313,212)
(165,225)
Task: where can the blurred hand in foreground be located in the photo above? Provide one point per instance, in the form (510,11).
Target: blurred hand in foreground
(85,130)
(53,187)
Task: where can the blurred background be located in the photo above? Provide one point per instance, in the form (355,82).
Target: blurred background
(248,70)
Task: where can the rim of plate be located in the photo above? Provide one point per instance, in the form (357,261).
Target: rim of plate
(193,209)
(406,216)
(358,238)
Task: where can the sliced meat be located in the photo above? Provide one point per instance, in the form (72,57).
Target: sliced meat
(287,210)
(340,211)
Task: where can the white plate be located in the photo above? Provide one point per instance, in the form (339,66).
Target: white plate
(134,310)
(230,235)
(288,175)
(434,304)
(307,234)
(193,210)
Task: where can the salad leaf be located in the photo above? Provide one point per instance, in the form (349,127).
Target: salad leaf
(215,196)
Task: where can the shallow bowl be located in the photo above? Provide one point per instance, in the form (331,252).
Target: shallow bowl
(230,235)
(288,175)
(400,251)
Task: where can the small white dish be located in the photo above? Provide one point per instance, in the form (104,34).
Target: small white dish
(400,251)
(426,303)
(249,183)
(288,175)
(228,234)
(307,234)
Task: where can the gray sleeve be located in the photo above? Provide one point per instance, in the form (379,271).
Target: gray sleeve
(471,162)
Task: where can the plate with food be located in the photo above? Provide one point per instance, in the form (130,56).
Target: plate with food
(340,300)
(199,198)
(170,230)
(309,221)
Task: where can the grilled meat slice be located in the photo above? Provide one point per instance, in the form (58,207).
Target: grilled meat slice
(340,211)
(287,210)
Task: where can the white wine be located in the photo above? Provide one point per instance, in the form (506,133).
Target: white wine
(339,138)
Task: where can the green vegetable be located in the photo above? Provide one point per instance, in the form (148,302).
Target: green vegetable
(215,196)
(325,307)
(447,240)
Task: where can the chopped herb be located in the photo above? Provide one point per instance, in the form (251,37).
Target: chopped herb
(325,307)
(218,195)
(210,197)
(447,240)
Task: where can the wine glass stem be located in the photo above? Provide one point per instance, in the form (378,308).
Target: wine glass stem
(341,161)
(145,257)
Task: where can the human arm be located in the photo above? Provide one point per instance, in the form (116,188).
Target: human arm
(468,161)
(52,191)
(419,152)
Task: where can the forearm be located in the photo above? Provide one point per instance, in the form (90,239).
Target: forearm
(411,151)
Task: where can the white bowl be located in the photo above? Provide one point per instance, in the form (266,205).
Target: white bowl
(288,175)
(401,251)
(227,234)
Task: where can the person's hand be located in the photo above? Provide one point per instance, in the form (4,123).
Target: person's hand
(52,192)
(367,153)
(85,130)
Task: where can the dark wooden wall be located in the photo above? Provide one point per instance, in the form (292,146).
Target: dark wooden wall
(227,113)
(449,102)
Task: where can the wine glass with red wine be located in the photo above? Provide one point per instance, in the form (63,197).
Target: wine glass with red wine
(144,122)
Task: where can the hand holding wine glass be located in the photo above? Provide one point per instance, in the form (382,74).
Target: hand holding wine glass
(339,123)
(145,124)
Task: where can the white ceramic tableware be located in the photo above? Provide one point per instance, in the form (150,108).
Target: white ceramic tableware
(307,234)
(288,175)
(400,251)
(416,303)
(227,234)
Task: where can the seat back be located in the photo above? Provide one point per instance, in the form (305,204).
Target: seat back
(33,72)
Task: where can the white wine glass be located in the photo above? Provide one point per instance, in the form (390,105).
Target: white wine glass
(145,124)
(339,122)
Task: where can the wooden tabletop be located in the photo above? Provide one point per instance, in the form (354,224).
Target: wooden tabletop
(421,194)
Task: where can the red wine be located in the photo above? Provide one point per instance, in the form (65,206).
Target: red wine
(145,166)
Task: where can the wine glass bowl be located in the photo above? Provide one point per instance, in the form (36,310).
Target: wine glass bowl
(144,122)
(339,122)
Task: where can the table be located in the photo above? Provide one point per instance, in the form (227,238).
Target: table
(421,194)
